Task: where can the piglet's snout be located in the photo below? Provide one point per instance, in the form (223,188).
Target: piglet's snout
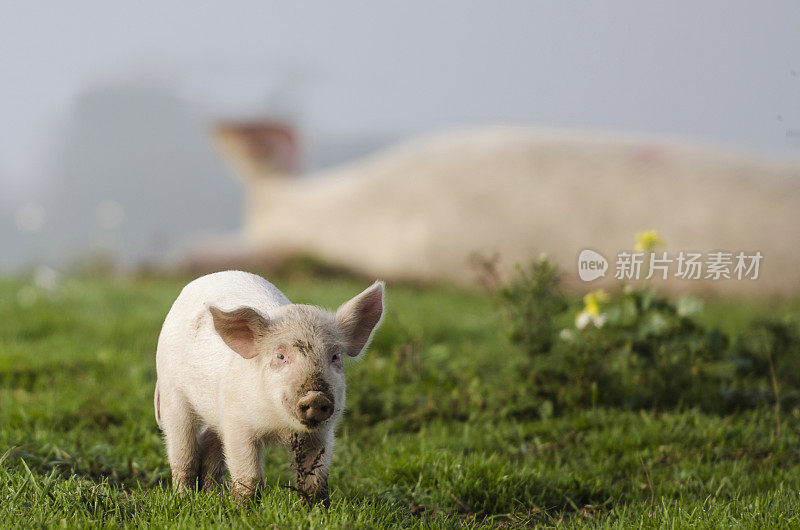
(314,407)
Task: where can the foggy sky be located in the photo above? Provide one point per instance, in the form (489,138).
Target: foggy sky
(716,70)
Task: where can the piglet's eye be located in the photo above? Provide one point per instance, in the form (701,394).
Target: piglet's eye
(281,356)
(335,357)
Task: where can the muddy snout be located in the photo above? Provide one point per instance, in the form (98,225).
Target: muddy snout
(314,407)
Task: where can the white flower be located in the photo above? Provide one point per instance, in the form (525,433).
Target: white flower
(584,318)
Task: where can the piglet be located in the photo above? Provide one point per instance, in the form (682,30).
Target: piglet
(239,367)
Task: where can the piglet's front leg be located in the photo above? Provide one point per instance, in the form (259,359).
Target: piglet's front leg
(243,456)
(311,459)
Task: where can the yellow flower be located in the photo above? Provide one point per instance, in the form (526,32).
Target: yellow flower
(593,300)
(647,241)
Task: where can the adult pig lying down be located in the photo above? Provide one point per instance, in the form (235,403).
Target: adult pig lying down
(240,366)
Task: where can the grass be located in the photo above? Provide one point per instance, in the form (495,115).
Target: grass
(439,432)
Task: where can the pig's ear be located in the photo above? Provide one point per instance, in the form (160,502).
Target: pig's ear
(360,317)
(240,329)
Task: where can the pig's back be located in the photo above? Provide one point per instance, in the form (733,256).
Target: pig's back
(191,356)
(229,290)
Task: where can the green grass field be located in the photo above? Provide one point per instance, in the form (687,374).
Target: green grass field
(439,431)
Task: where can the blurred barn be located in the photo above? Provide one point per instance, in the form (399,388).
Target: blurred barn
(456,205)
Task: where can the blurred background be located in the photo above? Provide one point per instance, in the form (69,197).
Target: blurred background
(105,140)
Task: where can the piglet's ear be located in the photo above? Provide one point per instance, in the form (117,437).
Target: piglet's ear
(240,329)
(360,317)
